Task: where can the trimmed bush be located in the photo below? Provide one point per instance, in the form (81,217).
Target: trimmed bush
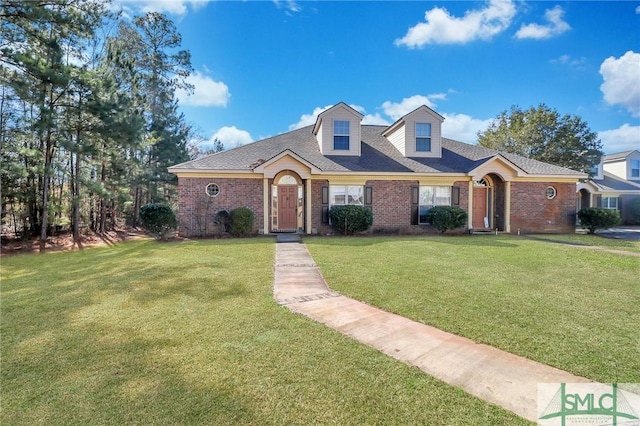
(241,222)
(593,218)
(349,220)
(444,218)
(634,210)
(158,219)
(222,219)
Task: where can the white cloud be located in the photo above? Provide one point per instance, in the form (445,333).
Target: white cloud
(568,60)
(463,128)
(207,92)
(309,119)
(290,5)
(442,28)
(375,119)
(624,138)
(622,81)
(395,110)
(638,10)
(176,7)
(556,26)
(230,136)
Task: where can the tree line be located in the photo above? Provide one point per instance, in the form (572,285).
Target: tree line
(89,119)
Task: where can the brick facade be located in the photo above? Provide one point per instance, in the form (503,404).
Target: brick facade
(532,212)
(196,210)
(391,206)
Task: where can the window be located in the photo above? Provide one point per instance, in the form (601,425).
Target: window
(212,190)
(610,203)
(423,137)
(593,171)
(635,169)
(340,135)
(341,195)
(550,192)
(432,196)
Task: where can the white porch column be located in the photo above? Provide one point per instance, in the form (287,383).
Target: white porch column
(307,202)
(265,205)
(470,208)
(507,207)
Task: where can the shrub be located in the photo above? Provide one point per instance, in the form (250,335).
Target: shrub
(634,210)
(241,222)
(158,219)
(350,219)
(444,218)
(222,219)
(593,218)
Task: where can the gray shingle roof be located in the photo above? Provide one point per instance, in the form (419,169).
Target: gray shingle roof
(611,183)
(617,156)
(377,155)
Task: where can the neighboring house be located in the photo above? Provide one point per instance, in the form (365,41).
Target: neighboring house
(615,184)
(290,181)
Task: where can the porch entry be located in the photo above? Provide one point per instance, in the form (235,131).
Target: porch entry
(287,202)
(287,207)
(481,216)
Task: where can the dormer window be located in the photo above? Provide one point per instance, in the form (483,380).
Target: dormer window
(635,169)
(423,137)
(341,135)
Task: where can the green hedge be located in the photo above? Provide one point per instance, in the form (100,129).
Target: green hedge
(349,220)
(444,218)
(158,219)
(593,218)
(241,222)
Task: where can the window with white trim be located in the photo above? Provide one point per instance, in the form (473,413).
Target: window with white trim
(551,192)
(212,190)
(610,203)
(431,196)
(340,135)
(635,169)
(341,195)
(423,137)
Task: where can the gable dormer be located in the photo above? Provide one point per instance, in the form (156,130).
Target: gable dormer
(337,130)
(417,134)
(625,165)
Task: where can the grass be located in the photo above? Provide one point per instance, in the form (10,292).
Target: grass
(592,240)
(572,308)
(189,333)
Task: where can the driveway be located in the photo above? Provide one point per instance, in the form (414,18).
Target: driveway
(622,232)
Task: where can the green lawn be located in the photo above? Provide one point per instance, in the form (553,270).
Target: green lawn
(592,240)
(573,308)
(189,333)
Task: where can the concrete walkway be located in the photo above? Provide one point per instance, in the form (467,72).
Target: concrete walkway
(498,377)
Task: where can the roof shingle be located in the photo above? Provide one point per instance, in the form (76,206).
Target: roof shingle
(377,155)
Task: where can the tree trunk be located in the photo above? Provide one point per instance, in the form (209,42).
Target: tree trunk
(75,189)
(44,219)
(103,204)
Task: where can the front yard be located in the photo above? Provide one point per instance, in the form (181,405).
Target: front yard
(571,307)
(189,333)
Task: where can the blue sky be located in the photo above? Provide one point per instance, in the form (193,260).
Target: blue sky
(265,67)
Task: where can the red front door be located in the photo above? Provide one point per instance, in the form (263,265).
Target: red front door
(480,211)
(287,207)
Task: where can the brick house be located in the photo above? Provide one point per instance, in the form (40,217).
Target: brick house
(290,181)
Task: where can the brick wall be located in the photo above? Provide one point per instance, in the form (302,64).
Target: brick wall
(532,212)
(391,207)
(196,210)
